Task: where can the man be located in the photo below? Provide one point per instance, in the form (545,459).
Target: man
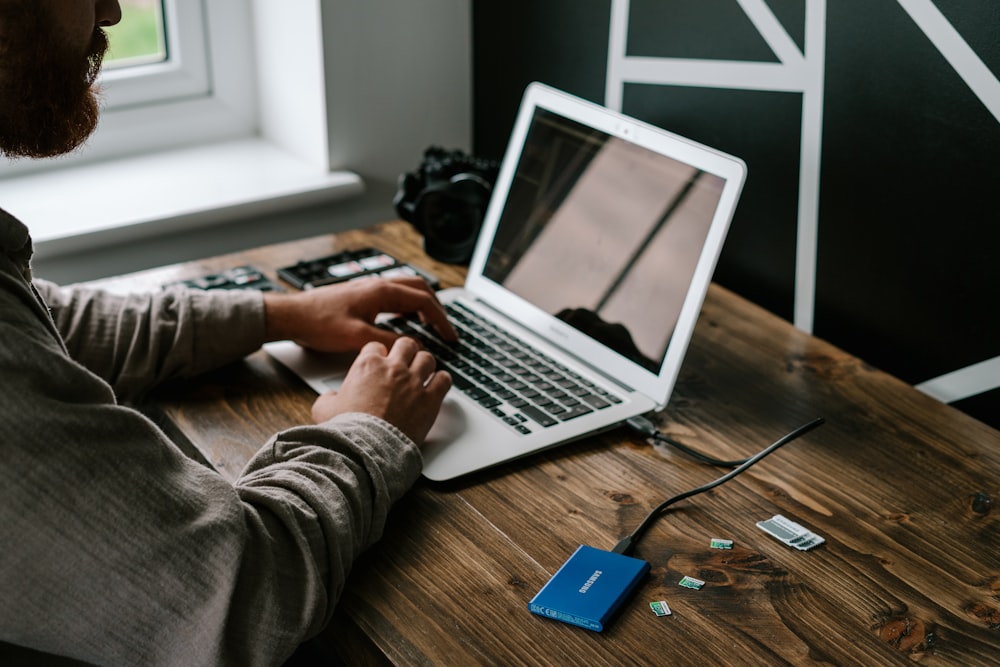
(115,549)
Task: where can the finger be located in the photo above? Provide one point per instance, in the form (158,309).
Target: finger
(404,294)
(442,325)
(374,347)
(404,350)
(412,281)
(424,365)
(418,297)
(438,384)
(378,335)
(435,315)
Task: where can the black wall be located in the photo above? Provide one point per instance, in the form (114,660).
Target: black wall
(908,223)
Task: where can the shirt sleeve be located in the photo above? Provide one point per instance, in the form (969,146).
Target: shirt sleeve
(137,341)
(119,550)
(116,548)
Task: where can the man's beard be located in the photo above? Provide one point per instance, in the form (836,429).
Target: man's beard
(48,102)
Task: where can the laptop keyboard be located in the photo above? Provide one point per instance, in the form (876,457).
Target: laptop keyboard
(512,379)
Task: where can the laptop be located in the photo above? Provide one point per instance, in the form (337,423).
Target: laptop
(595,254)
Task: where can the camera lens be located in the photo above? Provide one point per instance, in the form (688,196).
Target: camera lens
(450,218)
(446,199)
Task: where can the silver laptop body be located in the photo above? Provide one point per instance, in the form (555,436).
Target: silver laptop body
(596,250)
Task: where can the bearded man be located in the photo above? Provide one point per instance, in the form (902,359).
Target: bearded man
(115,548)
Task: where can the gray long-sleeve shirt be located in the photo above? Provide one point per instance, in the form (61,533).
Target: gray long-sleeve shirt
(115,548)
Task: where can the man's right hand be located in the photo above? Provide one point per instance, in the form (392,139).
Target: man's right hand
(400,385)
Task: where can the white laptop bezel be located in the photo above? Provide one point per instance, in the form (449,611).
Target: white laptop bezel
(732,170)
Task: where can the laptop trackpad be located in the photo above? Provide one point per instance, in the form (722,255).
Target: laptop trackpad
(451,422)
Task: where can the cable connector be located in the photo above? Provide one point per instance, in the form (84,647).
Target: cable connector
(647,429)
(624,547)
(642,426)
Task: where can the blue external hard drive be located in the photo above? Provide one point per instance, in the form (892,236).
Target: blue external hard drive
(589,588)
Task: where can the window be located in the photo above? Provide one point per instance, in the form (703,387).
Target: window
(186,141)
(140,37)
(180,74)
(273,101)
(158,54)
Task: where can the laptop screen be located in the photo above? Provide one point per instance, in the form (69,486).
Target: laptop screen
(603,234)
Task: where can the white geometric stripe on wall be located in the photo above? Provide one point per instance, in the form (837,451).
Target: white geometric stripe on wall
(796,72)
(985,375)
(969,66)
(803,73)
(965,382)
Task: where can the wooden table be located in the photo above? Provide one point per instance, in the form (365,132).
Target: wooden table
(901,486)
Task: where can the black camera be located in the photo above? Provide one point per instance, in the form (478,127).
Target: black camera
(445,199)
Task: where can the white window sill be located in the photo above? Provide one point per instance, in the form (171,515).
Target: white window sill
(73,209)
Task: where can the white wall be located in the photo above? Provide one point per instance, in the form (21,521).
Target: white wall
(398,78)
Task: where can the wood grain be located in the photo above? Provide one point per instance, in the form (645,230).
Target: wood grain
(902,487)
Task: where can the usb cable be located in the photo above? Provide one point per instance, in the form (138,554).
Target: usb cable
(645,428)
(627,543)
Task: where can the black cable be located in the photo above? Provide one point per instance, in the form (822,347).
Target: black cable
(645,427)
(626,544)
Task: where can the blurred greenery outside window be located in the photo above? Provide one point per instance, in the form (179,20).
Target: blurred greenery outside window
(140,37)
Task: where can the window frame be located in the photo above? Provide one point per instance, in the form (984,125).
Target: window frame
(204,92)
(184,72)
(313,121)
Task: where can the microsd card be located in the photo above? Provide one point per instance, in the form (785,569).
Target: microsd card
(790,533)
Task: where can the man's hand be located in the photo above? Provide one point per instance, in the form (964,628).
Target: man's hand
(341,318)
(400,385)
(392,377)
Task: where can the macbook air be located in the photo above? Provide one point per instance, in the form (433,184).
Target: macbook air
(595,254)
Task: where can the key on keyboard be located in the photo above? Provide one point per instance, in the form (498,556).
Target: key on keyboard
(514,380)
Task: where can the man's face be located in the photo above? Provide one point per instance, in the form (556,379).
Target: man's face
(50,55)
